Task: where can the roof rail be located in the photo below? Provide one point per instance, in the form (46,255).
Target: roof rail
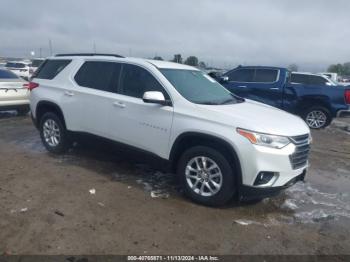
(89,54)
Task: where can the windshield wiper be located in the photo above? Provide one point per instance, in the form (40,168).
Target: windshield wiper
(227,101)
(209,103)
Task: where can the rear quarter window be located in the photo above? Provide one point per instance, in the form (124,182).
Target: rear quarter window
(99,75)
(50,69)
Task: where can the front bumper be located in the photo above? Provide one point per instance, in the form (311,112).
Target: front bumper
(287,165)
(251,192)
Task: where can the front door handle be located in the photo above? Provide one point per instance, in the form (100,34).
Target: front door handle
(119,104)
(274,88)
(243,86)
(68,93)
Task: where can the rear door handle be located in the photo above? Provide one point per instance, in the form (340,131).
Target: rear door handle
(243,86)
(68,93)
(119,104)
(274,88)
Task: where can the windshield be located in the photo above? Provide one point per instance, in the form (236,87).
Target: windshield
(198,87)
(15,65)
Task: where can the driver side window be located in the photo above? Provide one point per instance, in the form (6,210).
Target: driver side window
(241,75)
(135,81)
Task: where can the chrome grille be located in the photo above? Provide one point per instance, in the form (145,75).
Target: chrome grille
(300,157)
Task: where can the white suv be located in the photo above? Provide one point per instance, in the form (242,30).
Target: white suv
(220,145)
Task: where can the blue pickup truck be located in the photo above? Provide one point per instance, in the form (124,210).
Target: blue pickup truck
(313,97)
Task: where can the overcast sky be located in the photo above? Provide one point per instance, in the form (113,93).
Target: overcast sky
(312,34)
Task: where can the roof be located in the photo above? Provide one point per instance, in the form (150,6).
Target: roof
(157,63)
(269,67)
(87,54)
(170,65)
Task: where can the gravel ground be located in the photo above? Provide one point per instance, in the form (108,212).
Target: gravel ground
(101,200)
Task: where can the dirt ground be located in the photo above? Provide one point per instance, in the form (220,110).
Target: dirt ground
(97,200)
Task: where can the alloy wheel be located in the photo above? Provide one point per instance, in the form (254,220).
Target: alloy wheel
(316,119)
(203,176)
(51,132)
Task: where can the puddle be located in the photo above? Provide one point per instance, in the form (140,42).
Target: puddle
(304,204)
(7,114)
(342,125)
(32,143)
(157,183)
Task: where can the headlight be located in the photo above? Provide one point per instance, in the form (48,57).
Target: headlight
(264,139)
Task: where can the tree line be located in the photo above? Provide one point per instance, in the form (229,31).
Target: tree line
(191,60)
(340,69)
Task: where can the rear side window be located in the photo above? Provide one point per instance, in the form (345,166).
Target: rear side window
(299,79)
(4,74)
(136,80)
(317,80)
(241,75)
(51,68)
(265,75)
(99,75)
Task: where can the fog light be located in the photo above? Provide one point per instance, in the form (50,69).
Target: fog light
(265,178)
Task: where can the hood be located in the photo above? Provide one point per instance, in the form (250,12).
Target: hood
(257,117)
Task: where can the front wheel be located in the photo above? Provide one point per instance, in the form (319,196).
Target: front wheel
(53,133)
(317,117)
(207,176)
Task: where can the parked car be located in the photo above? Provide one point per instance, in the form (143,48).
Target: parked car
(20,68)
(303,94)
(13,93)
(35,63)
(220,145)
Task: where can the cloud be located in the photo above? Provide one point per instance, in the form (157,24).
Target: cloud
(312,34)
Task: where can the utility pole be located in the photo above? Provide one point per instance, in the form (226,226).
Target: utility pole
(94,47)
(40,52)
(50,47)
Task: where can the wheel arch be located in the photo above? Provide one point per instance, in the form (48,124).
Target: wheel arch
(307,102)
(48,106)
(190,139)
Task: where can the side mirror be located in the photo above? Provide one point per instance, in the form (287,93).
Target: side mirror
(223,79)
(154,97)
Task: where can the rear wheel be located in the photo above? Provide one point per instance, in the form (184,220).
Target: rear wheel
(53,133)
(317,117)
(206,176)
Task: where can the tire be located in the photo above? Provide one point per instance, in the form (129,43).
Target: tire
(53,133)
(317,117)
(23,111)
(192,181)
